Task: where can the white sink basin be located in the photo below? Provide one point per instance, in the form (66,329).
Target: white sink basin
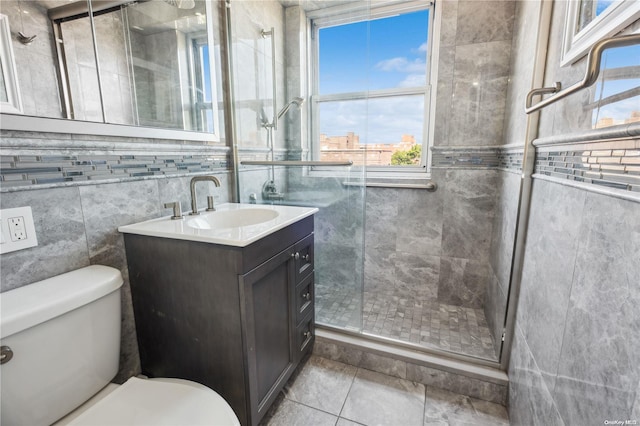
(232,218)
(231,224)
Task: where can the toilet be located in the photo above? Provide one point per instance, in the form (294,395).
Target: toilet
(60,349)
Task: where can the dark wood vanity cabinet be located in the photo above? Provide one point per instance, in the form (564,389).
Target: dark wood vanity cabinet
(238,320)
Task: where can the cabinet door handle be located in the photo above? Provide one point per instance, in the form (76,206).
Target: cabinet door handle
(306,257)
(296,256)
(307,334)
(306,296)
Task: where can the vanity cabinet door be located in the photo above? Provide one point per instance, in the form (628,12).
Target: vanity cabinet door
(268,315)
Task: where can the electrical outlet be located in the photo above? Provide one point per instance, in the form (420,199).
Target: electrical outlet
(17,230)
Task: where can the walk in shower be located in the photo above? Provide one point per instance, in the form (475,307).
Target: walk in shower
(417,259)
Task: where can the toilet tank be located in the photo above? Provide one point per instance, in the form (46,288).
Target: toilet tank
(64,333)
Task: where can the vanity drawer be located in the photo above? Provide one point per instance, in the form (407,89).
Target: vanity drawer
(304,298)
(305,335)
(303,250)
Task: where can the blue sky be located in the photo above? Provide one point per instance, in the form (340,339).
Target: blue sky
(379,54)
(373,55)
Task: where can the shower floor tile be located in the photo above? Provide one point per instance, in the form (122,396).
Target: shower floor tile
(428,323)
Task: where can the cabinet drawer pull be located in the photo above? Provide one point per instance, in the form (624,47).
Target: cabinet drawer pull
(306,257)
(5,354)
(307,334)
(307,296)
(295,255)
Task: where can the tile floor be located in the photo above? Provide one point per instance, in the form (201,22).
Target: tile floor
(325,392)
(428,323)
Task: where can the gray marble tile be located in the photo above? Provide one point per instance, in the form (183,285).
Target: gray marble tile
(291,413)
(60,230)
(345,422)
(420,215)
(495,308)
(635,412)
(335,352)
(417,275)
(381,219)
(552,241)
(524,41)
(449,23)
(107,206)
(385,365)
(462,282)
(338,265)
(379,268)
(480,22)
(375,398)
(322,384)
(504,227)
(463,385)
(444,407)
(599,365)
(530,402)
(469,203)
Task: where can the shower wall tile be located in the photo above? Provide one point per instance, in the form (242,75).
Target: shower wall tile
(522,66)
(504,227)
(484,21)
(449,23)
(379,269)
(599,365)
(552,243)
(530,401)
(417,275)
(495,308)
(469,203)
(462,282)
(62,242)
(420,216)
(381,219)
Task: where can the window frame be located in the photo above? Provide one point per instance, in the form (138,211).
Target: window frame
(613,20)
(341,15)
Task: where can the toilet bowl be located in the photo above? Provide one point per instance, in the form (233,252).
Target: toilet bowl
(61,337)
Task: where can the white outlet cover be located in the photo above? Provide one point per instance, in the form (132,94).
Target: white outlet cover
(6,245)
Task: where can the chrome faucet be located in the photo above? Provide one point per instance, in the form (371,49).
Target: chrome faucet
(194,201)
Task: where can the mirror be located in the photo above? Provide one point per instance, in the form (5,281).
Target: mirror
(9,94)
(134,63)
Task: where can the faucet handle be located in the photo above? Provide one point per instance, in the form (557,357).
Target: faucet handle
(210,207)
(177,210)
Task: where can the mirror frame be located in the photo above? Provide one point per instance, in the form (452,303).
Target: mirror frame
(9,71)
(12,119)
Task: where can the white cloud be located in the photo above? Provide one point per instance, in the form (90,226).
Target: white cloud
(423,47)
(401,64)
(413,80)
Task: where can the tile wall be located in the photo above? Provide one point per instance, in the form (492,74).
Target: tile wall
(575,351)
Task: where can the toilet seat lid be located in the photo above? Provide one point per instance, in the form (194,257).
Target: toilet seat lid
(159,402)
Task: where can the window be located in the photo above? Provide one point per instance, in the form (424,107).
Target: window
(588,21)
(371,88)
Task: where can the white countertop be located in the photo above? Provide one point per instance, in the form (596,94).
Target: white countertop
(190,227)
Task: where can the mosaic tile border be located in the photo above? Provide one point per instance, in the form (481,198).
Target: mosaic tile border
(25,170)
(610,167)
(503,158)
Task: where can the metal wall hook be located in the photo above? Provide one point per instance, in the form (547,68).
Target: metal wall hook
(25,39)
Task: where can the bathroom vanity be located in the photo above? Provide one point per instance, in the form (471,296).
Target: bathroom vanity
(237,318)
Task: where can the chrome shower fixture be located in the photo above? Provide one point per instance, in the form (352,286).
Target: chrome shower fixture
(182,4)
(297,101)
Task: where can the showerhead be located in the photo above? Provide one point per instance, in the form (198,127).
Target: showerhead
(297,101)
(182,4)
